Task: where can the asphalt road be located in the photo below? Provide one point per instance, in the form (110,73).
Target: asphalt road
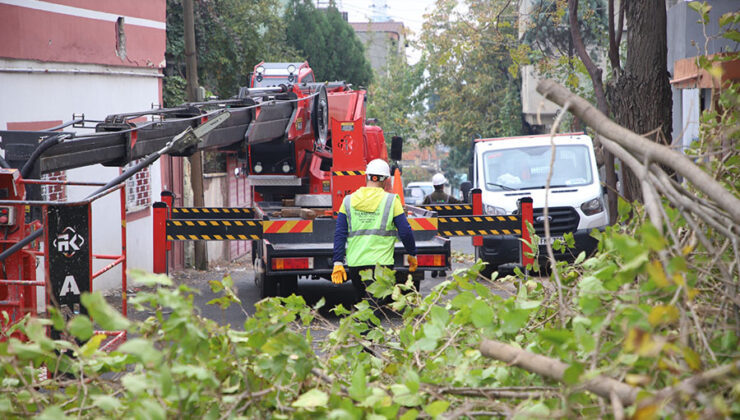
(311,290)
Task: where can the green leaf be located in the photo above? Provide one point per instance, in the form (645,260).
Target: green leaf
(216,286)
(403,396)
(579,259)
(102,313)
(52,413)
(81,327)
(732,35)
(358,389)
(624,208)
(135,383)
(652,237)
(143,349)
(410,415)
(145,278)
(558,337)
(663,315)
(107,403)
(692,359)
(5,405)
(590,285)
(436,408)
(513,320)
(482,314)
(573,373)
(727,18)
(695,6)
(320,304)
(150,409)
(56,318)
(433,331)
(439,315)
(92,345)
(312,399)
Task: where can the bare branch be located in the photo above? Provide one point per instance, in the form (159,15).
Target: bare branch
(600,385)
(661,154)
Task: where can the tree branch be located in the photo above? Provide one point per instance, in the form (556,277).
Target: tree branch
(601,385)
(593,70)
(659,153)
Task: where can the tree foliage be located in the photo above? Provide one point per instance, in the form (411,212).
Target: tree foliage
(231,36)
(394,100)
(471,87)
(327,42)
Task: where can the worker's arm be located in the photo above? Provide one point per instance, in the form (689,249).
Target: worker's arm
(427,199)
(453,200)
(340,237)
(404,232)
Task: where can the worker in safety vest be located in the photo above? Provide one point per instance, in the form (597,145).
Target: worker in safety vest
(367,225)
(439,196)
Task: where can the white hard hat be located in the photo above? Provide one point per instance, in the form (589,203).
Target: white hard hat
(378,167)
(439,179)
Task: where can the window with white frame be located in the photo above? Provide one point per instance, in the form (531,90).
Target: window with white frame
(138,189)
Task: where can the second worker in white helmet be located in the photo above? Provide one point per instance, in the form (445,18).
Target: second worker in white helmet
(439,196)
(368,223)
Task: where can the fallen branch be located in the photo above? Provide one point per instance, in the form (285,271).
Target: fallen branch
(522,393)
(602,386)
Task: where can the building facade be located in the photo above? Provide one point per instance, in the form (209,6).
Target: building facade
(381,39)
(65,57)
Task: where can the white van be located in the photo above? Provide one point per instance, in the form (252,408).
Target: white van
(507,169)
(416,191)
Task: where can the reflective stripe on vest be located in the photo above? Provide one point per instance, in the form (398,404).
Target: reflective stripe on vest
(384,230)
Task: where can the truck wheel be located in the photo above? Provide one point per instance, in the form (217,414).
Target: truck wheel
(288,285)
(415,278)
(267,286)
(489,268)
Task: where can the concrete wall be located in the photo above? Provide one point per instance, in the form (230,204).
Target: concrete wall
(56,96)
(215,192)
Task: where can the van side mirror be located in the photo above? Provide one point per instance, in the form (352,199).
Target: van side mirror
(396,148)
(465,187)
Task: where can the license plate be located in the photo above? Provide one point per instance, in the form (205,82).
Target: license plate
(543,240)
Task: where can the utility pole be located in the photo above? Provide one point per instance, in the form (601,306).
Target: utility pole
(196,162)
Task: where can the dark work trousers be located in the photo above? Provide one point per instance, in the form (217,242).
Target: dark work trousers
(353,274)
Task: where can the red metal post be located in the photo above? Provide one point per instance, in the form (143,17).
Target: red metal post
(477,195)
(527,212)
(159,249)
(168,198)
(124,278)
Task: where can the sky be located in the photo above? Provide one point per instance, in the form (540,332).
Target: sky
(410,12)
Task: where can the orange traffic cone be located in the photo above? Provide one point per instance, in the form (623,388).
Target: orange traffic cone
(398,185)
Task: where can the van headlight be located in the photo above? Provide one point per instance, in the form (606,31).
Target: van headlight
(592,207)
(493,210)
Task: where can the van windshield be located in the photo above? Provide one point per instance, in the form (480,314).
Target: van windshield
(527,167)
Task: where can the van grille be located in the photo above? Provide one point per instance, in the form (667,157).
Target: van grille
(564,219)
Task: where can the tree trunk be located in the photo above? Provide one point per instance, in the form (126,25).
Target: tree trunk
(196,164)
(640,96)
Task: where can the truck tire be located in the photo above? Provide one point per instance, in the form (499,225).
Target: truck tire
(267,286)
(288,285)
(489,268)
(415,278)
